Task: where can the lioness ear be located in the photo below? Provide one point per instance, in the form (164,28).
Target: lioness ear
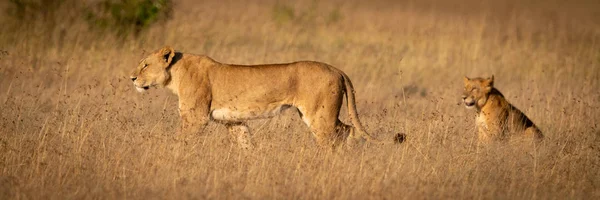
(167,53)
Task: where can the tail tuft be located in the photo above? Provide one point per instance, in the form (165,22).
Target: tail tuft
(400,138)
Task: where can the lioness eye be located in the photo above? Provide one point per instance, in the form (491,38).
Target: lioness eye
(145,65)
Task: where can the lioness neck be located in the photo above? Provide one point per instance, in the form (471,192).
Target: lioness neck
(187,64)
(174,80)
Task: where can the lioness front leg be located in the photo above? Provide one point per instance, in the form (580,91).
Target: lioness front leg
(241,132)
(192,122)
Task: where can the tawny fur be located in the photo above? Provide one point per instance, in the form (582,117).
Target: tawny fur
(231,94)
(496,118)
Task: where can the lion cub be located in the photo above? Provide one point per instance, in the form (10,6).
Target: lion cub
(496,118)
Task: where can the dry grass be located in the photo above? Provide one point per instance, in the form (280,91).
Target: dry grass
(72,126)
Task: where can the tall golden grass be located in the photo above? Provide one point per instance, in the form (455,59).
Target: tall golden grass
(73,127)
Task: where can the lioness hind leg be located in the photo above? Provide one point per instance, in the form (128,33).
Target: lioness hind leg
(324,124)
(321,114)
(348,134)
(242,134)
(328,130)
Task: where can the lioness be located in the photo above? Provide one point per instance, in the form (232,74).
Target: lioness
(230,94)
(496,118)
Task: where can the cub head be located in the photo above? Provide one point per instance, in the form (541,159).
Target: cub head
(153,70)
(477,91)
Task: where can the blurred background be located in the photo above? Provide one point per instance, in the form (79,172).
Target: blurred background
(72,125)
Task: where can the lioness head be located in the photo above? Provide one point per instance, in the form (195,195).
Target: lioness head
(152,70)
(477,91)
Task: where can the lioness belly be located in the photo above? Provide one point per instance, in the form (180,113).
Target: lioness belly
(234,114)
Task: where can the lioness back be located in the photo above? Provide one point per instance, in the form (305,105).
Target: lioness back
(496,118)
(261,90)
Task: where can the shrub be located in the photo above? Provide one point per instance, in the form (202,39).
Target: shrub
(128,16)
(124,17)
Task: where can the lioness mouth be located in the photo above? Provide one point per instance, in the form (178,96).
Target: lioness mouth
(146,87)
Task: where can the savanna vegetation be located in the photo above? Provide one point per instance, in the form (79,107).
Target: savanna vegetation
(72,125)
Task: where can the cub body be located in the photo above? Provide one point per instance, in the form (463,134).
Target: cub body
(496,119)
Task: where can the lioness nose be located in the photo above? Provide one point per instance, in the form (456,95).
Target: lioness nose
(133,78)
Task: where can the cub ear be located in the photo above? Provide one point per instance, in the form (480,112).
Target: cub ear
(167,53)
(466,80)
(490,81)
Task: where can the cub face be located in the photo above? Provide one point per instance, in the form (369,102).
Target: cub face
(476,91)
(152,70)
